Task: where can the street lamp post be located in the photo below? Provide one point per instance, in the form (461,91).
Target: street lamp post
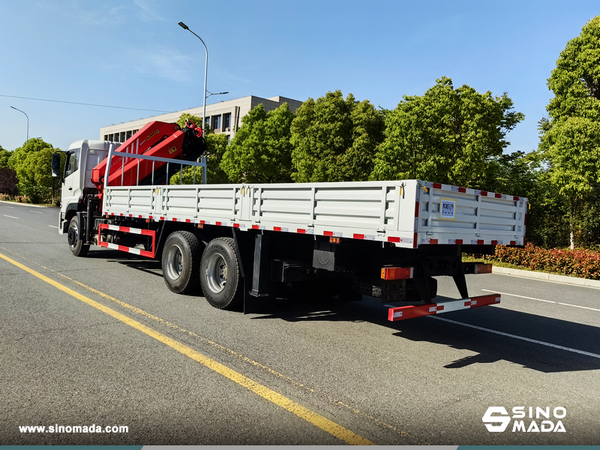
(185,27)
(27,122)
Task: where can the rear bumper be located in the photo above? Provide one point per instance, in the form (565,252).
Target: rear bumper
(410,312)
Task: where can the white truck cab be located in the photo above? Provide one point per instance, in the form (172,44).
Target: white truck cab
(82,157)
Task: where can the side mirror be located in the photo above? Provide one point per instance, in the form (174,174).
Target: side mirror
(56,164)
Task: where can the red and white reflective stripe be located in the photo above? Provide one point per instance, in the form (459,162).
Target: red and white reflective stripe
(105,226)
(410,312)
(430,241)
(366,237)
(396,239)
(471,191)
(122,248)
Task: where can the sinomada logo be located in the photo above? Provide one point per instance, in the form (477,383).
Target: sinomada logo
(525,419)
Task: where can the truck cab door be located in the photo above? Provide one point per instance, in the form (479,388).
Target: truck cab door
(72,187)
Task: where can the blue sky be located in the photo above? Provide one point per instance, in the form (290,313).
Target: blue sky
(132,54)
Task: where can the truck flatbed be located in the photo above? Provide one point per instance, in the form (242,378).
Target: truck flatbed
(408,213)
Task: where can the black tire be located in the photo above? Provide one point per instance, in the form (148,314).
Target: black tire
(78,248)
(220,274)
(180,262)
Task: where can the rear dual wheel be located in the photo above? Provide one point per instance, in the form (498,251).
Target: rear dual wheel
(220,274)
(181,262)
(216,269)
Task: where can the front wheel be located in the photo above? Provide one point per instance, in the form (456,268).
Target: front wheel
(220,274)
(74,235)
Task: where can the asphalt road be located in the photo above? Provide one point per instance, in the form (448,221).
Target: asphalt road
(101,341)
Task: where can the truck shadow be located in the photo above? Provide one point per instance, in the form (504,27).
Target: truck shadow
(143,264)
(492,333)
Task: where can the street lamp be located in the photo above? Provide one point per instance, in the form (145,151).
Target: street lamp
(27,122)
(216,93)
(185,27)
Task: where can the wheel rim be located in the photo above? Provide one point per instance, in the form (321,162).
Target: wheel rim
(174,262)
(72,234)
(216,272)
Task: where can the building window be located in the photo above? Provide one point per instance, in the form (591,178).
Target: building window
(122,136)
(216,123)
(128,134)
(226,121)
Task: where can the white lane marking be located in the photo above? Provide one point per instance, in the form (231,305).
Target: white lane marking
(12,217)
(37,212)
(577,306)
(53,226)
(542,300)
(514,336)
(520,296)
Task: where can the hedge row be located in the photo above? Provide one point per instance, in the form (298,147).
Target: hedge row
(579,262)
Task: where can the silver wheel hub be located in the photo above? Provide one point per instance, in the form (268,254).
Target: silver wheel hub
(174,262)
(216,272)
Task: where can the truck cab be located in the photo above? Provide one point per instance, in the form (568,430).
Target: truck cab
(82,157)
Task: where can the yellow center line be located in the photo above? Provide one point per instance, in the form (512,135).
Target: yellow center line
(304,413)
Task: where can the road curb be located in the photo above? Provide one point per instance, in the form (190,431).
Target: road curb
(546,276)
(28,204)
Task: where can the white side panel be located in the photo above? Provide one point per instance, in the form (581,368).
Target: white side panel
(384,211)
(471,216)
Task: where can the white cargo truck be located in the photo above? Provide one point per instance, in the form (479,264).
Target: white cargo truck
(239,242)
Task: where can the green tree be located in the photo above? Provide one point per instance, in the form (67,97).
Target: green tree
(525,175)
(447,135)
(32,163)
(4,157)
(575,81)
(261,151)
(335,139)
(570,138)
(572,146)
(216,144)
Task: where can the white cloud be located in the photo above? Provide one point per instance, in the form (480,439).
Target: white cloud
(163,62)
(148,11)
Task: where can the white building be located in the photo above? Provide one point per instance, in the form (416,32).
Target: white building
(223,117)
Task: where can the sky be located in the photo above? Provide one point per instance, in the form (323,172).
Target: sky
(74,66)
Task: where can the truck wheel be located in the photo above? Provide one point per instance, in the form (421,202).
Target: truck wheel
(220,274)
(180,261)
(78,248)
